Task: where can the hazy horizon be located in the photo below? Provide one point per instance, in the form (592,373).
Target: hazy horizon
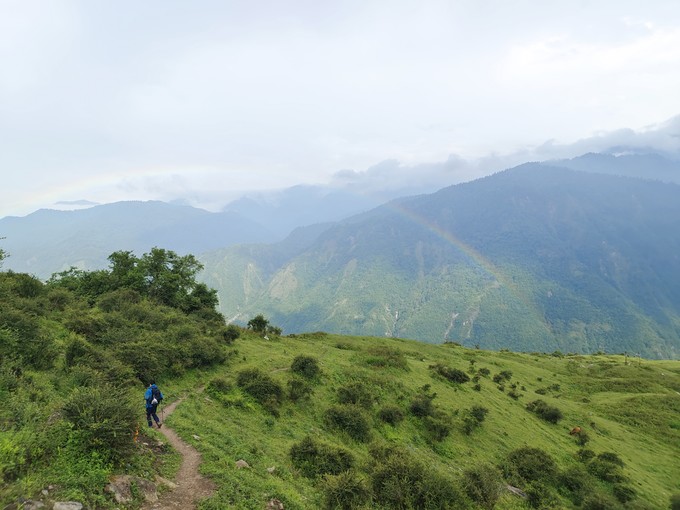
(202,103)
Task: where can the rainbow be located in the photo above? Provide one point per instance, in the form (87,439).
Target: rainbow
(475,256)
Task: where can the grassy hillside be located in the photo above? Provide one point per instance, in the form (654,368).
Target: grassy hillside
(628,407)
(323,421)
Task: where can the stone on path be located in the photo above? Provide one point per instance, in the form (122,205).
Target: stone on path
(67,505)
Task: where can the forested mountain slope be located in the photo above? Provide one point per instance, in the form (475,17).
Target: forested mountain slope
(535,258)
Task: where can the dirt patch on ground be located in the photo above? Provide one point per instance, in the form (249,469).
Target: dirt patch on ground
(190,485)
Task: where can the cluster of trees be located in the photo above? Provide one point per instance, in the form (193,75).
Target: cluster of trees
(160,275)
(75,355)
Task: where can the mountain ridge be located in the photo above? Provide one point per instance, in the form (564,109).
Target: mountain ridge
(602,230)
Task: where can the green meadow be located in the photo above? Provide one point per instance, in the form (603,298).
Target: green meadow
(624,406)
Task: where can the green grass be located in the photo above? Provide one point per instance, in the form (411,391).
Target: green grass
(629,409)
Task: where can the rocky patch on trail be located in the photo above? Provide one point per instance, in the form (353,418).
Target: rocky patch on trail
(121,489)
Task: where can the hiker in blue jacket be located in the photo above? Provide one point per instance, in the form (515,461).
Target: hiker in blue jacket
(152,397)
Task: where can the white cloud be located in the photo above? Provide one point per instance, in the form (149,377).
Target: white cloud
(95,97)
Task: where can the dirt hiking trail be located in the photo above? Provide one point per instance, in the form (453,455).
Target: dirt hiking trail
(190,485)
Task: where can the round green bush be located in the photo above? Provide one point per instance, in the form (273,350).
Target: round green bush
(529,464)
(306,366)
(104,418)
(345,491)
(400,481)
(391,414)
(605,470)
(575,483)
(350,419)
(483,485)
(315,459)
(356,393)
(624,493)
(260,386)
(545,411)
(299,389)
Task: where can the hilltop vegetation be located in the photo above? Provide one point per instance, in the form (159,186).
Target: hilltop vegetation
(323,421)
(75,356)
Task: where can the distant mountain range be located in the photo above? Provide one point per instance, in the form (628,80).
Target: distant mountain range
(541,257)
(534,258)
(49,241)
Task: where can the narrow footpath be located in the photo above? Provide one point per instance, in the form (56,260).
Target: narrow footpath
(190,485)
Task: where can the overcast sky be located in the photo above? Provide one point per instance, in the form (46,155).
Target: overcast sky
(114,100)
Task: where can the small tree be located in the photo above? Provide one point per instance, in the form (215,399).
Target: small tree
(258,324)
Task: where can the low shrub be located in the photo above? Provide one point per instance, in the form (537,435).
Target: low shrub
(575,483)
(399,481)
(230,333)
(357,394)
(545,411)
(528,464)
(438,426)
(299,389)
(483,485)
(514,394)
(218,385)
(473,418)
(104,418)
(605,470)
(422,404)
(306,366)
(315,459)
(599,501)
(584,455)
(581,437)
(624,493)
(611,457)
(675,501)
(391,414)
(345,491)
(504,375)
(450,374)
(349,419)
(261,387)
(541,495)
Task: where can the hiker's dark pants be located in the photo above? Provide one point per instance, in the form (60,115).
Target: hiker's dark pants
(151,413)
